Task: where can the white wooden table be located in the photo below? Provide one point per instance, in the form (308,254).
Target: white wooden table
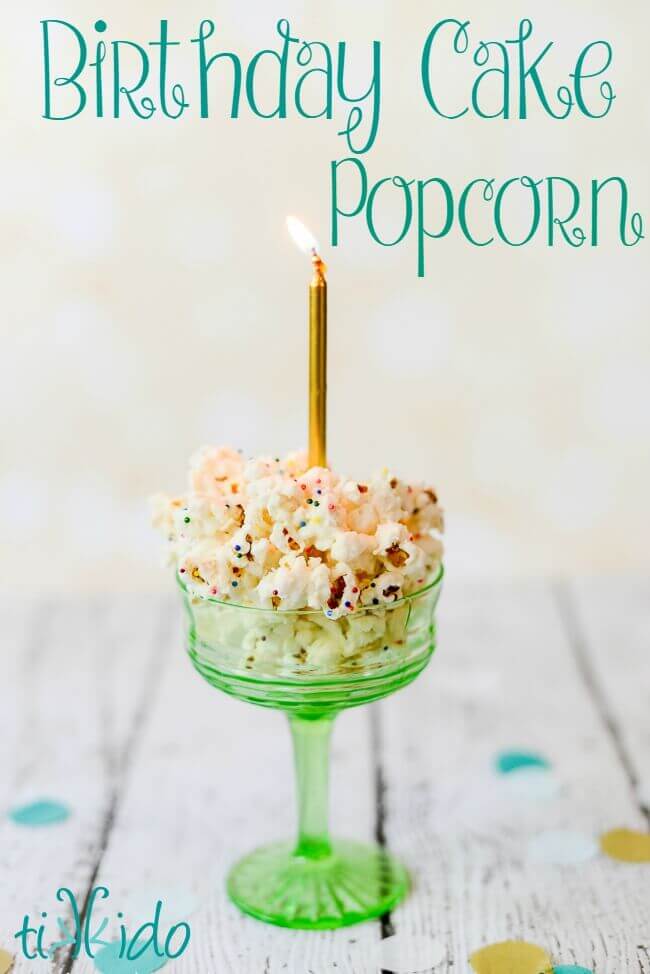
(170,780)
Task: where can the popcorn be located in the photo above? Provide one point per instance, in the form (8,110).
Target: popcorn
(276,534)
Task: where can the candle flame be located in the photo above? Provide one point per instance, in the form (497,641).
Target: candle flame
(302,237)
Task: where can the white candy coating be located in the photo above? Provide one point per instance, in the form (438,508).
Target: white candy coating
(272,533)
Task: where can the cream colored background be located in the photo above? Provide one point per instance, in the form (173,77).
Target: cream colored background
(151,301)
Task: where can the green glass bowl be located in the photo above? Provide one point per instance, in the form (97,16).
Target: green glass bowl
(313,667)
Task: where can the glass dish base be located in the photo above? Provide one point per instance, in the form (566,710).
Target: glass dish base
(319,890)
(314,883)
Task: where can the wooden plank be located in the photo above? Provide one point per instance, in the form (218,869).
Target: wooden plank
(211,778)
(505,676)
(610,621)
(71,700)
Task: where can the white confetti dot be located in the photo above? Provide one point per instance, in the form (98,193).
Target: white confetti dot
(530,784)
(178,903)
(562,847)
(410,953)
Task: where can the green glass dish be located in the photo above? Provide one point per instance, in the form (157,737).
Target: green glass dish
(312,668)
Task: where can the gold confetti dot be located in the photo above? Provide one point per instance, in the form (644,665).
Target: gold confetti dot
(511,957)
(626,845)
(6,962)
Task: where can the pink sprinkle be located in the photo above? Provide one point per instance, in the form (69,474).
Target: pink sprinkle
(213,591)
(303,486)
(182,571)
(355,590)
(331,507)
(319,481)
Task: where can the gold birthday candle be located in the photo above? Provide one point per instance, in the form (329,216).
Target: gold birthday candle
(317,345)
(318,365)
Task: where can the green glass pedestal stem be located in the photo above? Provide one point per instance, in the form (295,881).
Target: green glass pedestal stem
(316,883)
(311,748)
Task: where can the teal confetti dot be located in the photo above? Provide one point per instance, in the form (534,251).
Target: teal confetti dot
(509,761)
(108,961)
(43,812)
(571,969)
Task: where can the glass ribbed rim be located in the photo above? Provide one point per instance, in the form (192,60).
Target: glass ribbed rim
(349,679)
(434,583)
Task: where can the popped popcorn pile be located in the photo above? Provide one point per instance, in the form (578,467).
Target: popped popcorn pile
(275,534)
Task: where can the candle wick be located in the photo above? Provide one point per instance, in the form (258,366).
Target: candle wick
(319,265)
